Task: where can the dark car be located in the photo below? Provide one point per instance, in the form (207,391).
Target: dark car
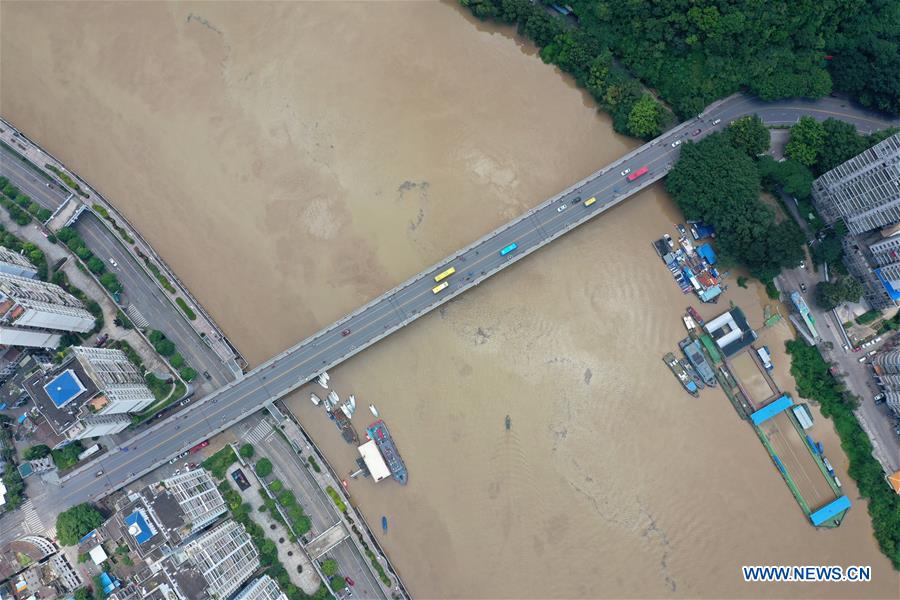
(697,132)
(576,200)
(349,581)
(345,333)
(207,375)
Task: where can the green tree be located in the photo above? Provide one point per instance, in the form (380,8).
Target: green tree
(96,265)
(188,374)
(329,567)
(82,594)
(67,456)
(111,283)
(830,294)
(337,582)
(247,451)
(264,467)
(36,452)
(807,140)
(749,134)
(176,360)
(164,347)
(75,523)
(645,118)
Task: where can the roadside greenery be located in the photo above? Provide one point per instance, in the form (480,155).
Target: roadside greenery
(218,463)
(15,487)
(263,467)
(21,207)
(582,53)
(185,308)
(247,450)
(67,456)
(314,465)
(815,382)
(830,294)
(867,317)
(29,250)
(67,179)
(75,523)
(336,498)
(163,280)
(822,146)
(36,452)
(268,551)
(717,182)
(100,210)
(73,241)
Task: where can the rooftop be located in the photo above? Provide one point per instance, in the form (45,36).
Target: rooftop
(63,388)
(60,416)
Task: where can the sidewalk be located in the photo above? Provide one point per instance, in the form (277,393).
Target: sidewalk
(136,245)
(352,520)
(308,580)
(55,252)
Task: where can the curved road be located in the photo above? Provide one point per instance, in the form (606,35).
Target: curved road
(413,298)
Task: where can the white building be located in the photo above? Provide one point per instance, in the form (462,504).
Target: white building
(96,425)
(116,377)
(196,494)
(225,556)
(13,263)
(37,304)
(261,588)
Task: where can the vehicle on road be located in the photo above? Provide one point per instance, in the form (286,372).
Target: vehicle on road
(199,446)
(879,399)
(697,132)
(508,249)
(101,340)
(638,173)
(349,581)
(590,201)
(98,473)
(444,274)
(577,200)
(802,264)
(114,263)
(717,121)
(207,375)
(676,143)
(440,287)
(626,172)
(345,333)
(803,287)
(561,208)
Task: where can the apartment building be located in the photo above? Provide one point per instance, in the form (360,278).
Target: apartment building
(117,378)
(198,497)
(226,557)
(13,263)
(33,313)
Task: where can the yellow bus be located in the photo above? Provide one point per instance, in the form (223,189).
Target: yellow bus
(445,274)
(590,201)
(440,287)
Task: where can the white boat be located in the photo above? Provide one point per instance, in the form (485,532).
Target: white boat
(346,410)
(349,407)
(323,379)
(373,410)
(332,400)
(352,402)
(689,323)
(669,241)
(315,399)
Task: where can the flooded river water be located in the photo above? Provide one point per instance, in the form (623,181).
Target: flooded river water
(293,160)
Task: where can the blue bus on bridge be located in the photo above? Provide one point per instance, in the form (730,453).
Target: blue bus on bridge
(509,249)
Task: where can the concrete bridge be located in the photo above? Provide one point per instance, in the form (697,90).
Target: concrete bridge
(417,296)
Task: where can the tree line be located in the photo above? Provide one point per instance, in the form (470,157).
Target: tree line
(582,54)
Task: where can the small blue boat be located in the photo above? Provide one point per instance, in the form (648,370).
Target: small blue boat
(384,524)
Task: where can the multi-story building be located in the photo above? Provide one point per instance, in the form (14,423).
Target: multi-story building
(225,556)
(887,373)
(96,425)
(261,588)
(117,378)
(864,191)
(13,263)
(33,313)
(196,494)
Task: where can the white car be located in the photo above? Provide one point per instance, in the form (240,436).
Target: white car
(717,121)
(114,263)
(878,339)
(561,208)
(626,172)
(676,143)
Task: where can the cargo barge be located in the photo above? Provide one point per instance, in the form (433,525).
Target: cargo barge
(345,426)
(681,373)
(378,431)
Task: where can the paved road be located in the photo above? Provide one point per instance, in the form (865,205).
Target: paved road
(413,298)
(318,507)
(857,376)
(139,289)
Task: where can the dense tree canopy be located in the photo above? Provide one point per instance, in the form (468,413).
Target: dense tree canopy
(830,294)
(749,134)
(73,524)
(720,184)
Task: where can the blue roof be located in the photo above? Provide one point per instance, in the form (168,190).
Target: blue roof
(710,293)
(23,418)
(2,405)
(144,532)
(770,410)
(706,251)
(109,583)
(87,536)
(894,294)
(63,388)
(830,510)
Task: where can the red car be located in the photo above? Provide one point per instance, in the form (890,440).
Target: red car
(697,132)
(345,333)
(349,581)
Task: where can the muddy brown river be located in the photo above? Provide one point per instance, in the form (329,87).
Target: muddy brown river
(293,160)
